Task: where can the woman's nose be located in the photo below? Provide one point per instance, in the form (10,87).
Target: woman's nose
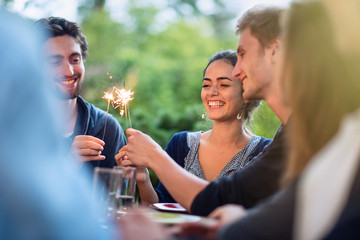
(214,91)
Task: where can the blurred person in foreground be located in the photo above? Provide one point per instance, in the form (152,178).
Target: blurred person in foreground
(43,193)
(219,152)
(66,51)
(258,52)
(43,196)
(328,195)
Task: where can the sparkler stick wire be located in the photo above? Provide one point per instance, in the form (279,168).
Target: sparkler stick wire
(107,113)
(128,109)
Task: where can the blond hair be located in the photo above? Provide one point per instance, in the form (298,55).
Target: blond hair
(319,84)
(263,22)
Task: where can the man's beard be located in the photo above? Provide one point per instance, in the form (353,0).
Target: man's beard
(67,94)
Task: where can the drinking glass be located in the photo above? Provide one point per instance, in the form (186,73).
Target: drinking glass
(107,185)
(126,197)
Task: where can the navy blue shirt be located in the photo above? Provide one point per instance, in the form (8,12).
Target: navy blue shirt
(91,121)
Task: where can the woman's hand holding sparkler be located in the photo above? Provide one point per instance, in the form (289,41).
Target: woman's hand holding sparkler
(89,148)
(121,156)
(142,174)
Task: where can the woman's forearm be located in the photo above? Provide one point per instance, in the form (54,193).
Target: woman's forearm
(147,193)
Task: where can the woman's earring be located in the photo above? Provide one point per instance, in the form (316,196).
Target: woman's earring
(238,116)
(203,115)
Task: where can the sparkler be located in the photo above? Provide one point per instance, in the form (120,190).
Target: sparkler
(121,100)
(109,97)
(123,97)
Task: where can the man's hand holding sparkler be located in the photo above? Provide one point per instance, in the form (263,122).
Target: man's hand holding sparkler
(89,148)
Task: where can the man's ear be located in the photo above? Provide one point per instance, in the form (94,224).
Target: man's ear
(275,48)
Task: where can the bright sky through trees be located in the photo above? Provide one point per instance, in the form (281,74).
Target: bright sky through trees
(68,8)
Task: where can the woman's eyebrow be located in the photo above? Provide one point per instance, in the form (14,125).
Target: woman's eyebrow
(218,79)
(223,78)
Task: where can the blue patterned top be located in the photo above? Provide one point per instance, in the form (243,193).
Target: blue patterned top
(239,160)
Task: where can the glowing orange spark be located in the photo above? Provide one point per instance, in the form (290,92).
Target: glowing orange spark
(119,98)
(123,97)
(108,96)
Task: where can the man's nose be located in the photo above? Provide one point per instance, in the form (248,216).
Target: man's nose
(237,70)
(68,69)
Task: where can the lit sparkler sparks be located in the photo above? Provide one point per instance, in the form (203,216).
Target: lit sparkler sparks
(121,100)
(108,96)
(123,97)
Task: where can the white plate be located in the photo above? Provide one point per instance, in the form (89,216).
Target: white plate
(172,218)
(170,207)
